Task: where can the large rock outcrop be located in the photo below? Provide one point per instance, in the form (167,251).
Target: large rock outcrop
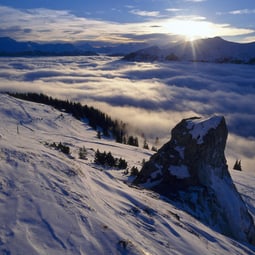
(191,169)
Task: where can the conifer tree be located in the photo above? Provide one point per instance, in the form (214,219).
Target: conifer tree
(237,165)
(145,145)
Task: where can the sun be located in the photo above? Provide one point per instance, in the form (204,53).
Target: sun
(196,29)
(190,29)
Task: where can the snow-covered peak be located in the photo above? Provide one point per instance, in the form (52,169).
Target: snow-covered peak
(199,127)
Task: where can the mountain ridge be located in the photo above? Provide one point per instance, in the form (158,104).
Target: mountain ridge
(214,49)
(11,47)
(203,50)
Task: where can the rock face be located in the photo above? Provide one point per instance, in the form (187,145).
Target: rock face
(191,169)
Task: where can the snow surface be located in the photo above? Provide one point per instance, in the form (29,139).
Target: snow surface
(198,128)
(51,203)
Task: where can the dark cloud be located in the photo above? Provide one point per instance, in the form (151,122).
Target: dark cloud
(37,75)
(44,30)
(12,30)
(27,30)
(151,38)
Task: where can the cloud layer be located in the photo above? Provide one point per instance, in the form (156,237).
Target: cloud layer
(151,97)
(62,25)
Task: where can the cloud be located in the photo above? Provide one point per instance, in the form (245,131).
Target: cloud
(47,25)
(174,10)
(203,89)
(129,6)
(145,13)
(186,24)
(248,39)
(154,38)
(242,11)
(195,1)
(151,97)
(242,149)
(238,12)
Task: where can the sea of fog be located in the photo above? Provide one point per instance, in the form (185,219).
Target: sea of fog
(151,97)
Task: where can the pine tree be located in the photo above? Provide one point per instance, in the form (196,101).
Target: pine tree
(145,145)
(134,171)
(156,141)
(98,134)
(136,142)
(237,165)
(97,157)
(109,159)
(122,164)
(154,148)
(83,153)
(100,158)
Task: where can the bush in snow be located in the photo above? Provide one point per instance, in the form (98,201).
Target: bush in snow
(61,147)
(134,171)
(83,153)
(106,159)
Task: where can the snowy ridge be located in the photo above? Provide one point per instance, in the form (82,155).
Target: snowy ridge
(199,127)
(51,203)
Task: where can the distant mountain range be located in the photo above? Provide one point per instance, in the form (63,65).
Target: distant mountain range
(203,50)
(10,47)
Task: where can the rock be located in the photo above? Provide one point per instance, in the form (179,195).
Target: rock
(192,170)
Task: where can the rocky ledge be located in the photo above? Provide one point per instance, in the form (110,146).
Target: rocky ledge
(191,169)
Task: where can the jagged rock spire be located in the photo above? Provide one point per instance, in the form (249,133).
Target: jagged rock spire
(192,169)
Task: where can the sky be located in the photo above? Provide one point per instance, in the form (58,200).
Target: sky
(125,21)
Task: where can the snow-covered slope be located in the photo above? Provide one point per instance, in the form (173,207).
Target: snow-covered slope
(52,203)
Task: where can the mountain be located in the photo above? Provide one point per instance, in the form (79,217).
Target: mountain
(192,170)
(203,50)
(10,47)
(57,203)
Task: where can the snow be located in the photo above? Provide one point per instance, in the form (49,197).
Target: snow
(232,203)
(198,128)
(244,182)
(51,203)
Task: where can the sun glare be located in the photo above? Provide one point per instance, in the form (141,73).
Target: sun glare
(191,29)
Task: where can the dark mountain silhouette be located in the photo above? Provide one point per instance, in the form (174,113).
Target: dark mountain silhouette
(203,50)
(10,47)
